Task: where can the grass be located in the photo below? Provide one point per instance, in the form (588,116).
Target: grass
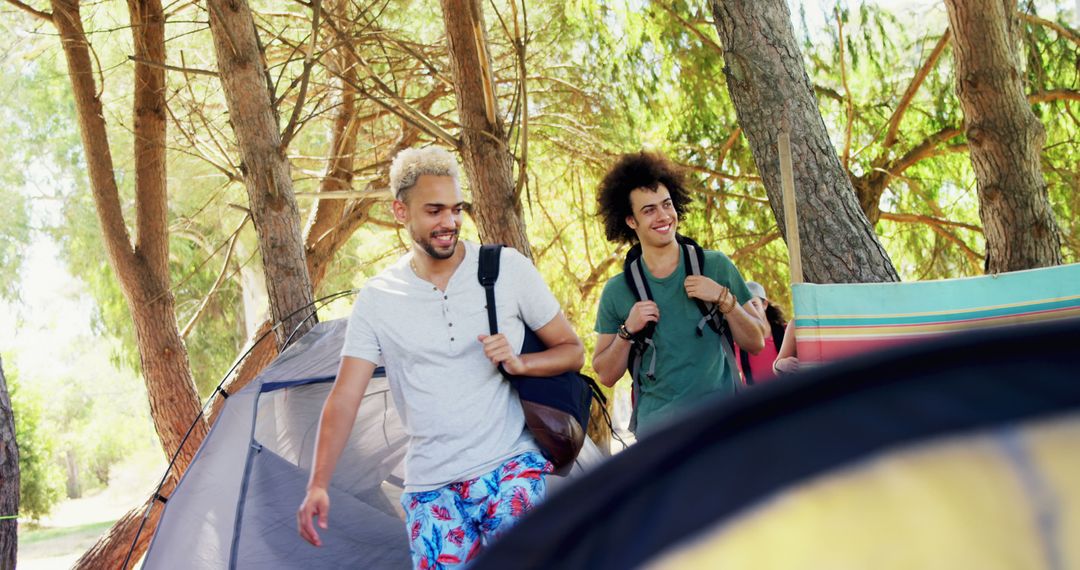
(42,534)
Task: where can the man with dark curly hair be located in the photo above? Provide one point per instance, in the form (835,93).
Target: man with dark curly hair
(641,199)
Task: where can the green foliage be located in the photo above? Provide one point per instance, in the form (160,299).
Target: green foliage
(100,431)
(41,481)
(14,218)
(93,414)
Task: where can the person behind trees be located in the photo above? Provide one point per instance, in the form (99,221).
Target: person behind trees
(640,201)
(471,469)
(758,368)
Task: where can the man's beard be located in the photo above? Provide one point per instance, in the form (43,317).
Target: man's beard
(427,246)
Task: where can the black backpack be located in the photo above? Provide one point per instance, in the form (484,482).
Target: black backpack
(556,407)
(634,273)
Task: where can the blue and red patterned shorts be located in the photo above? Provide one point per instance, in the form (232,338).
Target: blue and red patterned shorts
(448,526)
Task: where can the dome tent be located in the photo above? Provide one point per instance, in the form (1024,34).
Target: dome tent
(235,506)
(961,453)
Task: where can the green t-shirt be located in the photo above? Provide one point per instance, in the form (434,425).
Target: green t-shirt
(688,367)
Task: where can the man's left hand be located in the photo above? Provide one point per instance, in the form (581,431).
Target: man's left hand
(497,350)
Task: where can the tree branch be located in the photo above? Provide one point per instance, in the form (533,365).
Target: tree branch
(217,282)
(925,149)
(725,195)
(381,193)
(1062,31)
(764,240)
(601,269)
(829,92)
(149,130)
(47,16)
(1054,95)
(523,131)
(928,147)
(913,87)
(693,29)
(723,175)
(231,175)
(936,225)
(99,163)
(849,106)
(168,67)
(305,76)
(919,218)
(401,108)
(728,145)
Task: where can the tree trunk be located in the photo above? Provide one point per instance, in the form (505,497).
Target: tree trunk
(485,151)
(264,165)
(277,223)
(484,148)
(332,221)
(327,214)
(142,269)
(72,483)
(1005,138)
(767,81)
(9,480)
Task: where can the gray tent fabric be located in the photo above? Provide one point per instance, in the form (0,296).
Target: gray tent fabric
(235,506)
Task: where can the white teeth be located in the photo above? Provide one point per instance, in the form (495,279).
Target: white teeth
(443,238)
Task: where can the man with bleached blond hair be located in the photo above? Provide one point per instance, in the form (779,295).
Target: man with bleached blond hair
(472,468)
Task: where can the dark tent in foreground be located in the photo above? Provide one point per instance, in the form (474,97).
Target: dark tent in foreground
(235,506)
(963,452)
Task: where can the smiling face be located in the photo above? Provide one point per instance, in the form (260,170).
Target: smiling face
(431,211)
(653,217)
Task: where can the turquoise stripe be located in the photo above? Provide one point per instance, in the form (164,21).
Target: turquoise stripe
(869,320)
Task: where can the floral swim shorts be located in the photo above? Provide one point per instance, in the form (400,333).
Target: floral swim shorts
(448,526)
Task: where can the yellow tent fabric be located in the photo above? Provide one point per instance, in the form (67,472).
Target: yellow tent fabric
(1002,499)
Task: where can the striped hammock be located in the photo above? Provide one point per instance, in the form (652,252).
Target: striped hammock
(838,320)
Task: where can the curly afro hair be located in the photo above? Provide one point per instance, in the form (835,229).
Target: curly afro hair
(630,172)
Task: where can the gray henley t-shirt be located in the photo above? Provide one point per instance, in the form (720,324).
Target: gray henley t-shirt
(462,417)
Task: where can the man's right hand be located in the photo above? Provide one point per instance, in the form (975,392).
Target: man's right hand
(641,314)
(316,504)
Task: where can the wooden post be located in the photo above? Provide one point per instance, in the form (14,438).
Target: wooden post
(791,216)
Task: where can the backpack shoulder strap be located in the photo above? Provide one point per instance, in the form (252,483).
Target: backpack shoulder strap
(488,274)
(634,273)
(694,257)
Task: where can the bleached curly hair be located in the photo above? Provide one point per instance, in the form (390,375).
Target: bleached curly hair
(412,163)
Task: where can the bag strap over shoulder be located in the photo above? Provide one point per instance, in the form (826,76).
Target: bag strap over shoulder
(488,274)
(694,256)
(634,273)
(694,261)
